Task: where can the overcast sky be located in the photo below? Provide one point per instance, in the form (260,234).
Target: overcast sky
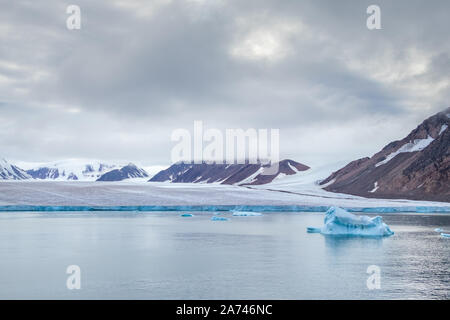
(138,69)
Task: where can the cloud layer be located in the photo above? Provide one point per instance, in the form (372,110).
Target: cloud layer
(137,70)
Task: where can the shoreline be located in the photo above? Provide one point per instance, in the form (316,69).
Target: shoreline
(222,208)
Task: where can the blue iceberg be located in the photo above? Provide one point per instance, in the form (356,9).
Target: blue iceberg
(342,223)
(186,215)
(445,235)
(246,214)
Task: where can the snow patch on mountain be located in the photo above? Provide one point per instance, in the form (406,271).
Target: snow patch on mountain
(252,178)
(375,187)
(416,145)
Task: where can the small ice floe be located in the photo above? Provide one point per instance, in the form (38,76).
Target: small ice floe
(313,230)
(445,235)
(438,230)
(216,218)
(342,223)
(246,214)
(186,215)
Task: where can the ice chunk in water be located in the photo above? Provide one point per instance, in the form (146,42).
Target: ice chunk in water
(340,222)
(313,230)
(216,218)
(246,214)
(186,215)
(438,230)
(445,235)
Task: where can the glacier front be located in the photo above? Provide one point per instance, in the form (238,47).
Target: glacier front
(342,223)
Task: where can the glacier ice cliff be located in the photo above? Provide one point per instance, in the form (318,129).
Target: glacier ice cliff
(220,208)
(341,222)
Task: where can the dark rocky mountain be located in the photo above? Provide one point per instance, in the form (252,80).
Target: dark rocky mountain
(11,172)
(129,171)
(239,174)
(416,167)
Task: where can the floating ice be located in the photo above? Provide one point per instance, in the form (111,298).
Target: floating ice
(313,230)
(438,230)
(340,222)
(216,218)
(445,235)
(186,215)
(246,214)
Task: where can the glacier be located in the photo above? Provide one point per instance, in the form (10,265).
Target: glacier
(340,222)
(294,196)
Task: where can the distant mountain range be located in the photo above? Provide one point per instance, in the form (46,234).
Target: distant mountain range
(416,167)
(237,174)
(11,172)
(72,170)
(76,170)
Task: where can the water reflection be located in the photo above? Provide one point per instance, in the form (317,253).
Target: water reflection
(338,243)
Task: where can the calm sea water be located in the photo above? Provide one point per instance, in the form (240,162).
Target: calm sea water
(160,255)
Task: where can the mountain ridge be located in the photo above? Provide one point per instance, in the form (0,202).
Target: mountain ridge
(236,174)
(126,172)
(11,172)
(415,167)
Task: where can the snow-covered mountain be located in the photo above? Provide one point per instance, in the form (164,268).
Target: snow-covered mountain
(75,169)
(129,171)
(416,167)
(237,174)
(11,172)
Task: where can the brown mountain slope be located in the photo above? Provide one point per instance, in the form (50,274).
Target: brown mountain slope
(239,174)
(416,167)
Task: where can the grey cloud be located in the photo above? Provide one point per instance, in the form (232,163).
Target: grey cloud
(129,74)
